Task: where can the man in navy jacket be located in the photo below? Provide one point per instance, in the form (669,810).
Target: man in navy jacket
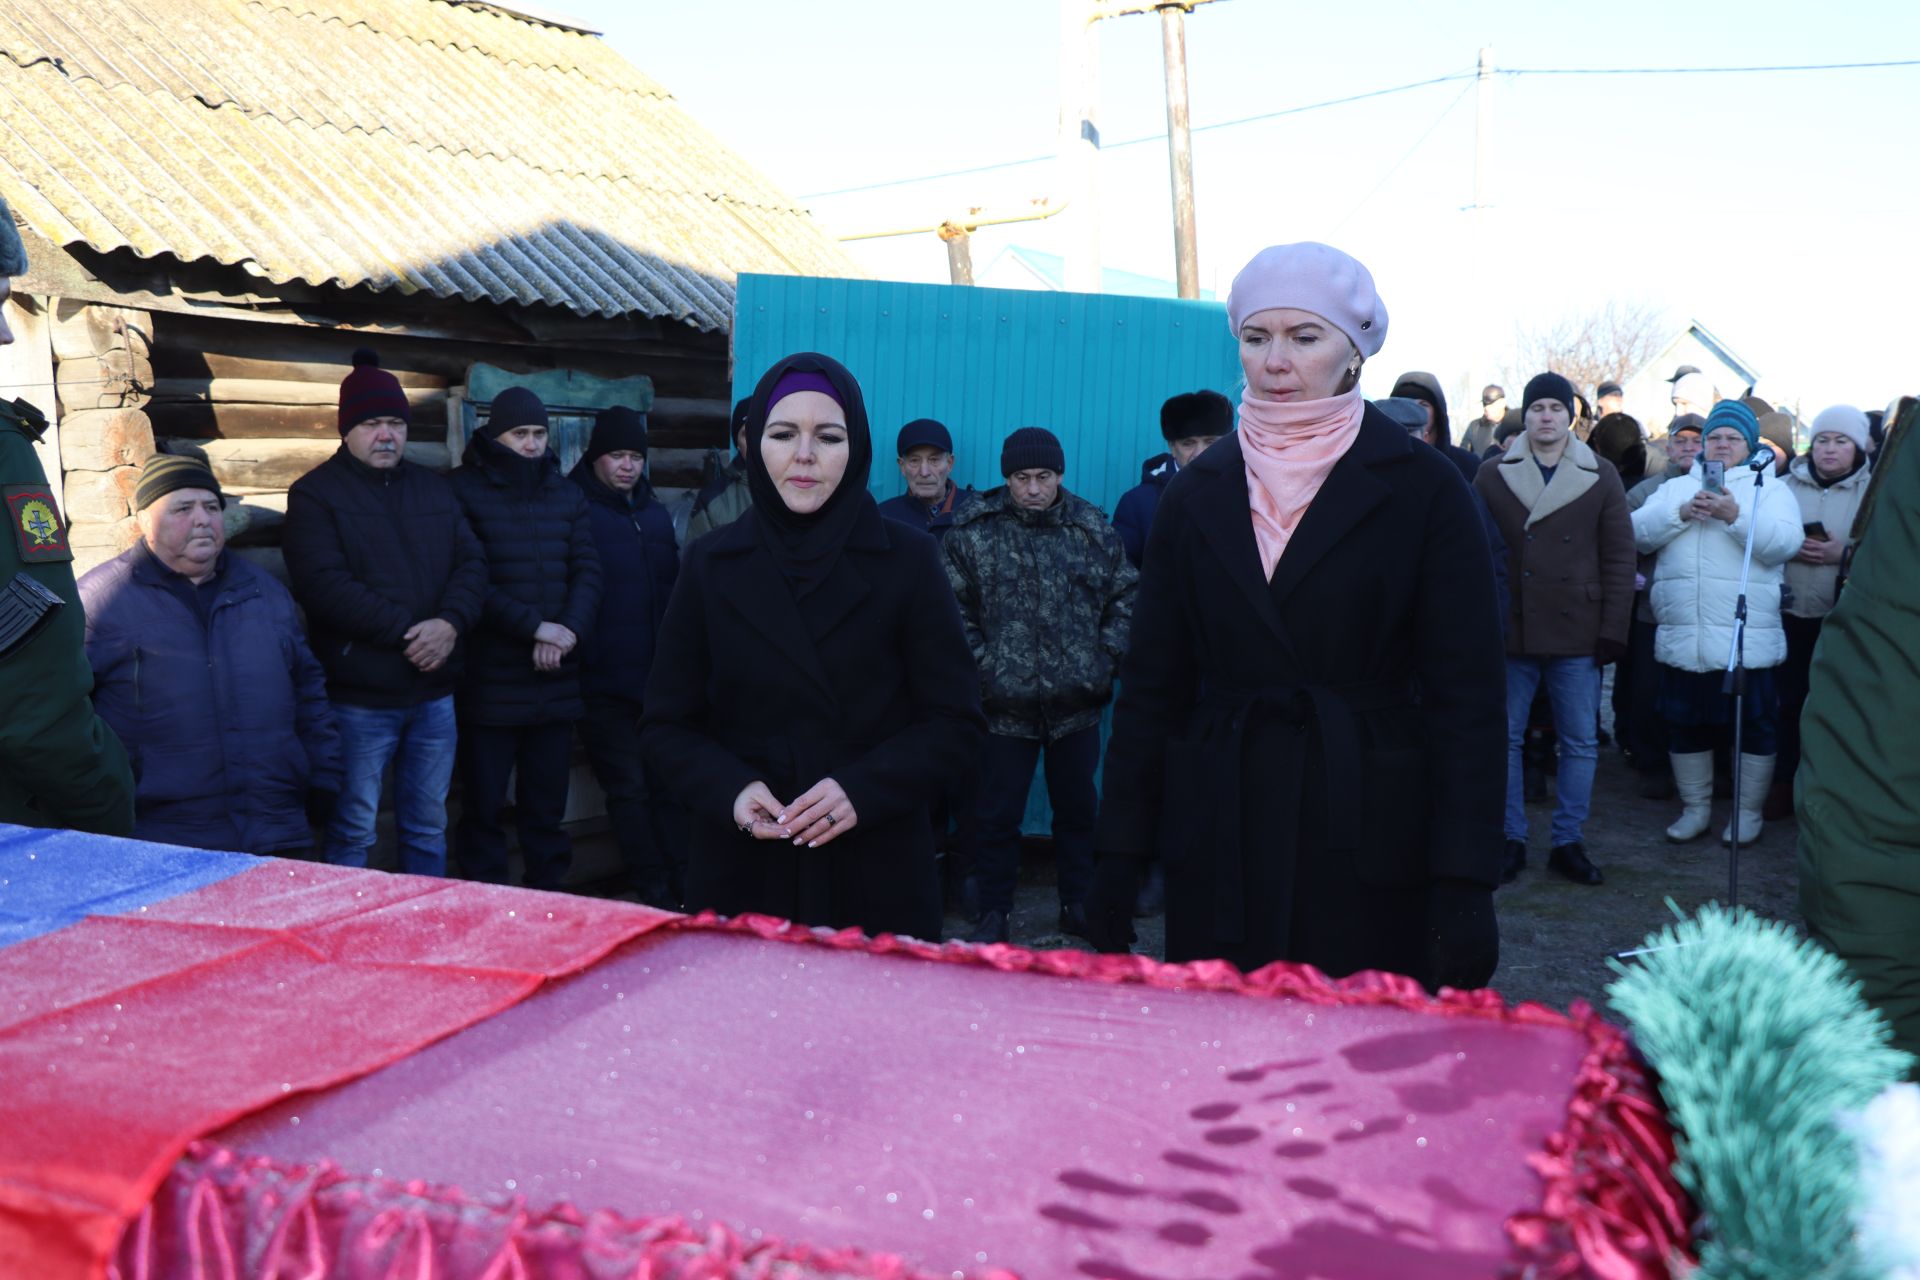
(638,564)
(1190,423)
(201,670)
(392,580)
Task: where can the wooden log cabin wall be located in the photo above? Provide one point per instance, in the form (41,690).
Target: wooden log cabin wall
(255,390)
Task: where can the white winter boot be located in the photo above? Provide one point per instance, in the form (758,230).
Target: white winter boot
(1756,776)
(1693,779)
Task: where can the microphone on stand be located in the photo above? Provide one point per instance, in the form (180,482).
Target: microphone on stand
(1763,459)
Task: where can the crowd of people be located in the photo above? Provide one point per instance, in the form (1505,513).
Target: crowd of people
(1320,624)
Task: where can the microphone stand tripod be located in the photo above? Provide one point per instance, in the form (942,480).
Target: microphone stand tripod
(1736,684)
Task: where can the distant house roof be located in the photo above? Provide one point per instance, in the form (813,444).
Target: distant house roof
(1049,271)
(459,150)
(1720,350)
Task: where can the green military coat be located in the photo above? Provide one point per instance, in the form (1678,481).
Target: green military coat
(1858,790)
(59,765)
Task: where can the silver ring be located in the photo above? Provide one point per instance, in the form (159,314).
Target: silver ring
(831,819)
(746,828)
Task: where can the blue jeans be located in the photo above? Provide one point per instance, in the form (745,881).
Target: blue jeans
(1573,689)
(419,741)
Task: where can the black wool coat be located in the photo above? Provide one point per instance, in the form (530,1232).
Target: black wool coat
(542,566)
(1309,755)
(879,693)
(371,552)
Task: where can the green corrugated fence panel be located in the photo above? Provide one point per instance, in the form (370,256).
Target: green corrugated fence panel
(1091,368)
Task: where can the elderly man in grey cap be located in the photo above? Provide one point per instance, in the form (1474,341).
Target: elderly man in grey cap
(60,765)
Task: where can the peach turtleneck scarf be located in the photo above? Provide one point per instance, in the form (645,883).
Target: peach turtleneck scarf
(1290,447)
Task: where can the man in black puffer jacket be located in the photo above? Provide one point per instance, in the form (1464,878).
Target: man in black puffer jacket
(521,691)
(639,562)
(391,578)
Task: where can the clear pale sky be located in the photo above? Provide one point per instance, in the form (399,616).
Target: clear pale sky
(1778,210)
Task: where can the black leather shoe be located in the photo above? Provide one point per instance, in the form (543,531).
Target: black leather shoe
(1570,860)
(1515,862)
(1073,920)
(992,927)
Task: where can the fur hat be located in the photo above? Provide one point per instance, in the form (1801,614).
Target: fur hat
(1196,413)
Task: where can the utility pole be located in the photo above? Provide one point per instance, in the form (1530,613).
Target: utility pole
(959,241)
(1173,46)
(1482,122)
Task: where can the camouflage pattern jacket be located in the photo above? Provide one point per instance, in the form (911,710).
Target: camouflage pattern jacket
(1047,597)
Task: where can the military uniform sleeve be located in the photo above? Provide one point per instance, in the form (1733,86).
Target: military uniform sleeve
(59,763)
(957,557)
(1116,618)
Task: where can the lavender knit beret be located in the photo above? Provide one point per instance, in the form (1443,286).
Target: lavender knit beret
(1311,277)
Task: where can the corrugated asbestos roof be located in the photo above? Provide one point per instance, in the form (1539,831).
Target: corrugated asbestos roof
(427,146)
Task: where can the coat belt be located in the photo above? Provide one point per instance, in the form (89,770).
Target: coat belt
(1332,710)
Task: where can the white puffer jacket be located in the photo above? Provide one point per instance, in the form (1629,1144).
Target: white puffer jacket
(1696,575)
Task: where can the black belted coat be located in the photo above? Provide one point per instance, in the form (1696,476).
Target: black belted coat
(1308,755)
(879,693)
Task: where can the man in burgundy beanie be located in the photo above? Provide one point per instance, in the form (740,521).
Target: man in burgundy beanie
(391,576)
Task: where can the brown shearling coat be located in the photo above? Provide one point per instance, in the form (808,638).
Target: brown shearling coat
(1570,552)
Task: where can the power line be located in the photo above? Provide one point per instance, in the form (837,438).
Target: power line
(1151,137)
(1513,72)
(1419,142)
(1700,71)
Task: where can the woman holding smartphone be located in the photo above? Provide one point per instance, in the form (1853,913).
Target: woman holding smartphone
(1828,481)
(1698,524)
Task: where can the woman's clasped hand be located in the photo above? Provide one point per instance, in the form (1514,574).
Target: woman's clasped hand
(818,815)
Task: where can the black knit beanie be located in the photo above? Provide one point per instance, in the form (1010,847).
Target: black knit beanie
(163,473)
(1548,386)
(1196,413)
(1032,449)
(616,428)
(514,407)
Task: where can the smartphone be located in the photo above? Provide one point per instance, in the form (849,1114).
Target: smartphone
(1817,531)
(1716,476)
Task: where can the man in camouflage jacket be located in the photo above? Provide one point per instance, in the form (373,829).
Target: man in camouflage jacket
(1046,593)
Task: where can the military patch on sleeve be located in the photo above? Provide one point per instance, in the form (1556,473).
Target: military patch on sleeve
(38,531)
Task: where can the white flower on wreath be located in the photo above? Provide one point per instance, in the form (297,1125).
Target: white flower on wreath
(1888,1133)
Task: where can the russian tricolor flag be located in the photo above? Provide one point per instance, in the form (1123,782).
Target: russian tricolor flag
(219,1065)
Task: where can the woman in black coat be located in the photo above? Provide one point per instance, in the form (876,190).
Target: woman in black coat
(1311,718)
(812,693)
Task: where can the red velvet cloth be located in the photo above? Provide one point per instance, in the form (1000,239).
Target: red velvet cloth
(715,1104)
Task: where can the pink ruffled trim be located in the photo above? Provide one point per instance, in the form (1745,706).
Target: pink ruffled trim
(221,1214)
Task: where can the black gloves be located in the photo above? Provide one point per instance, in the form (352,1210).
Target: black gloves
(1463,939)
(1116,882)
(1607,652)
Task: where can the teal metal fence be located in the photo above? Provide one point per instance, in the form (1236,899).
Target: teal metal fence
(1091,368)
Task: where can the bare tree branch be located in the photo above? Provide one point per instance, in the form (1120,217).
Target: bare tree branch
(1604,344)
